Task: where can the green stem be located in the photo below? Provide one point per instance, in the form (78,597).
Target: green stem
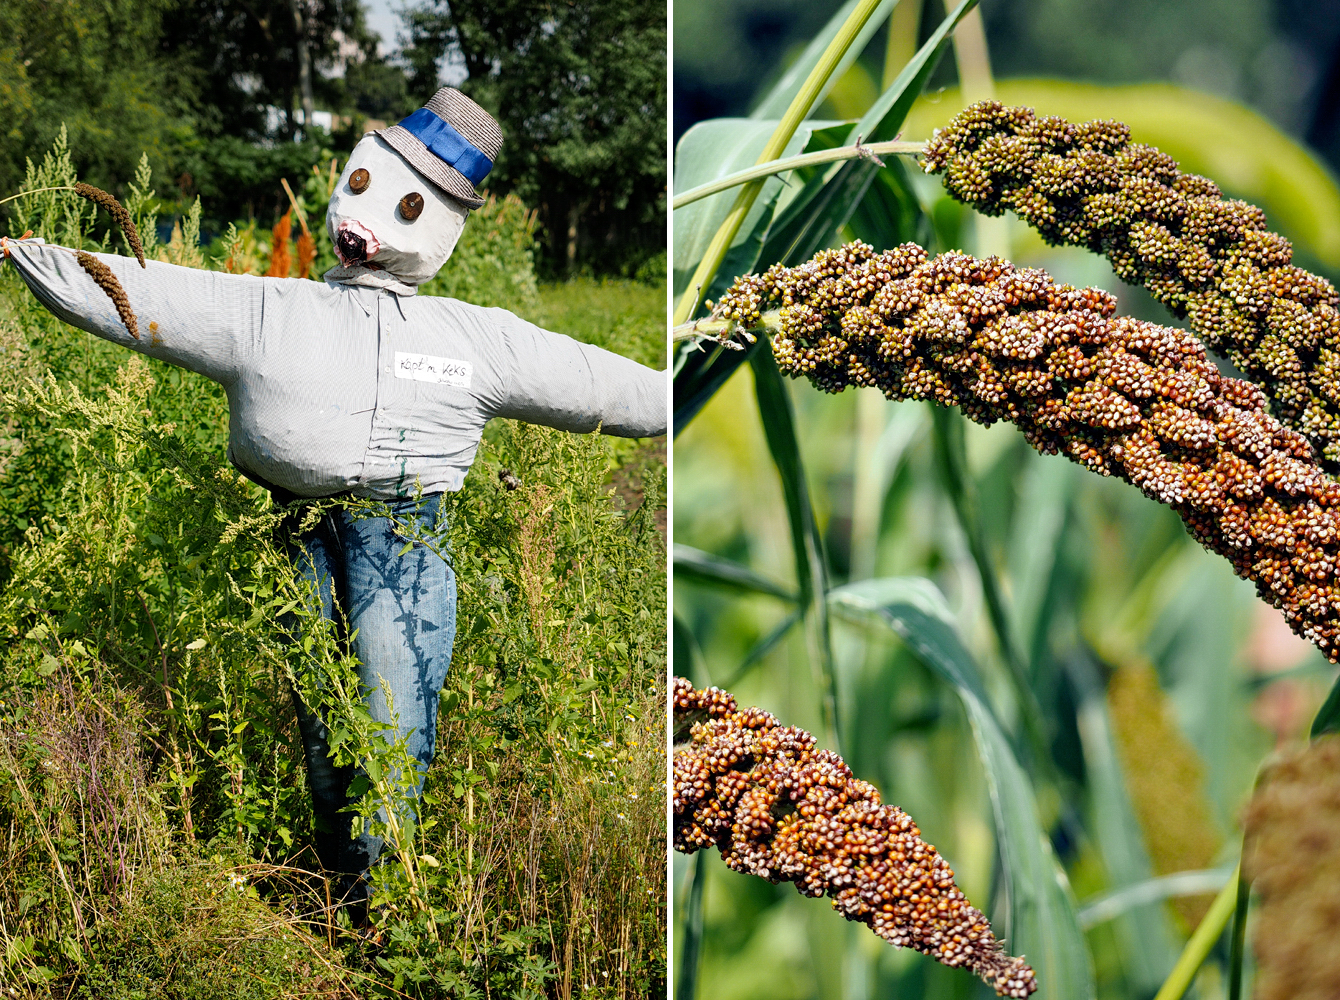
(63,187)
(687,985)
(1198,948)
(1238,943)
(894,147)
(786,128)
(770,323)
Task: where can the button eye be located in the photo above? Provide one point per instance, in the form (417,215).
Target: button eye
(411,206)
(359,181)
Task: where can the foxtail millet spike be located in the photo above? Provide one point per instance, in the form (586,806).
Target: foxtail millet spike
(119,215)
(106,280)
(778,807)
(1120,396)
(1207,258)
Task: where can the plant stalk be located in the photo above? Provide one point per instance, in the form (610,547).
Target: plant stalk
(61,187)
(1237,944)
(872,151)
(687,982)
(1198,948)
(786,128)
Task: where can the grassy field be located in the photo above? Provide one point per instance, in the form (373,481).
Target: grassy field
(151,785)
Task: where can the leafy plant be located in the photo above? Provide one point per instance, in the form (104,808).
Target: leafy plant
(932,559)
(150,769)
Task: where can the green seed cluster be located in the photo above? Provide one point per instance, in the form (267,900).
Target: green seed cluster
(1207,258)
(119,215)
(104,278)
(778,807)
(1120,396)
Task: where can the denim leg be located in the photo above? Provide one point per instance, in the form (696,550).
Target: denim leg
(402,615)
(320,561)
(401,610)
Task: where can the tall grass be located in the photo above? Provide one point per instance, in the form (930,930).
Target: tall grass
(152,794)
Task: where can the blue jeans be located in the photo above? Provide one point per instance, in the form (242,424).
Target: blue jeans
(400,611)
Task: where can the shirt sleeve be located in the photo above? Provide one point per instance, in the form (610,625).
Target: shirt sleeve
(204,321)
(551,379)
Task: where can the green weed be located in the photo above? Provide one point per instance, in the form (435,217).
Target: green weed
(151,785)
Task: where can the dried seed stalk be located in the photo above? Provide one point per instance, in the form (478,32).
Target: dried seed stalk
(106,280)
(778,807)
(1292,854)
(1120,396)
(119,215)
(1205,257)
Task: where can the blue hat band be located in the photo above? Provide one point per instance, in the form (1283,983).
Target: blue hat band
(448,145)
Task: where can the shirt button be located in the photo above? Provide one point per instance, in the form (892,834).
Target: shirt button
(387,369)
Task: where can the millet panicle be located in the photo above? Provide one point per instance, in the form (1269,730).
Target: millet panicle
(779,807)
(119,215)
(1207,258)
(104,278)
(1120,396)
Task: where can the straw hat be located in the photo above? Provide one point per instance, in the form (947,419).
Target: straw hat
(451,140)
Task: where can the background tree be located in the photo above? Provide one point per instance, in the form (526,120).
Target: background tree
(579,89)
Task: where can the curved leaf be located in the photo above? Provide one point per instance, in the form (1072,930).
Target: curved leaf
(1328,716)
(1043,923)
(779,426)
(1233,145)
(695,564)
(831,195)
(1107,905)
(779,98)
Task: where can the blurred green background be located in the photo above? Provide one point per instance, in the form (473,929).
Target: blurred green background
(1164,681)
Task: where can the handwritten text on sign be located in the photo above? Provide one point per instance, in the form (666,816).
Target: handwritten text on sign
(426,368)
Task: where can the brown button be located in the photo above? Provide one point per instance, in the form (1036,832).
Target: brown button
(411,206)
(359,181)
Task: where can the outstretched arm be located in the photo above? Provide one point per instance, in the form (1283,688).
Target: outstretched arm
(554,380)
(200,320)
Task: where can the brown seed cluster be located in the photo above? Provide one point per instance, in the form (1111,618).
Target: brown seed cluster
(118,213)
(106,280)
(1120,396)
(779,807)
(1206,258)
(1292,855)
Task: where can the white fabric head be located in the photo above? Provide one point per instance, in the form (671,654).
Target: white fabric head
(376,244)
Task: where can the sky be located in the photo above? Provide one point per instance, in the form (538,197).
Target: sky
(382,18)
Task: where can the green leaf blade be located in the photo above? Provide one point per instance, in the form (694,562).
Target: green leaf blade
(1043,922)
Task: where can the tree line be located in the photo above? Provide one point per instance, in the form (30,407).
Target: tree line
(218,91)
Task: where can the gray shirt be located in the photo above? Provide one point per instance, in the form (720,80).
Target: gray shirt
(340,388)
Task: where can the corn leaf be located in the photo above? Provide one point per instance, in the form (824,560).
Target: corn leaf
(713,149)
(1043,923)
(1142,927)
(699,373)
(1328,716)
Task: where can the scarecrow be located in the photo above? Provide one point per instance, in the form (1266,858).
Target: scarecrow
(357,387)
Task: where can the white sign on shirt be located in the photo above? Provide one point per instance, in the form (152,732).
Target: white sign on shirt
(426,368)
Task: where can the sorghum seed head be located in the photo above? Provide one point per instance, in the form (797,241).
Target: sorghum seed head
(777,806)
(1120,396)
(1205,257)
